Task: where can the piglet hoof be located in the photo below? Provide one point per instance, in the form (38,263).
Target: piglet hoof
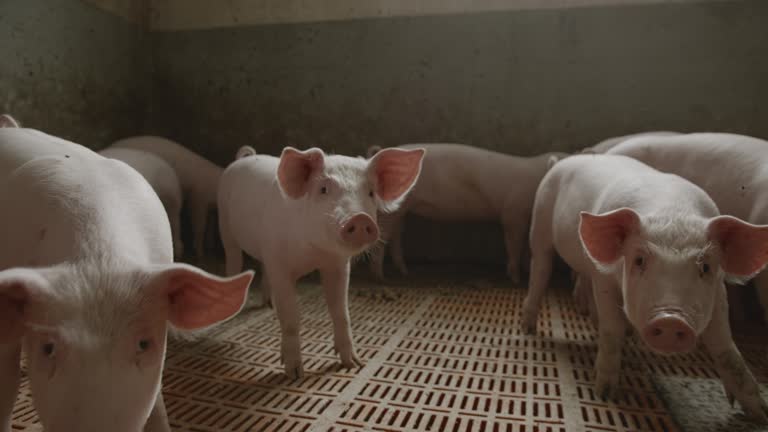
(607,385)
(294,372)
(291,358)
(754,407)
(349,359)
(388,295)
(530,319)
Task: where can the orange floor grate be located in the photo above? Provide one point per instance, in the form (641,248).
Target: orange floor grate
(437,359)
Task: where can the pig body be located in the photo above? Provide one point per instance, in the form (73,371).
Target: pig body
(461,183)
(303,212)
(732,169)
(199,179)
(656,251)
(162,177)
(88,287)
(605,145)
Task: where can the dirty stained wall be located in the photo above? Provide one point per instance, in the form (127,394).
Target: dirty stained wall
(519,81)
(74,69)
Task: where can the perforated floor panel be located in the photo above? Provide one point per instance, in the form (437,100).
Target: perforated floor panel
(437,358)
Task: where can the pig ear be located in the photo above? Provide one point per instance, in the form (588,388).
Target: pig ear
(744,246)
(603,236)
(6,121)
(296,169)
(197,299)
(395,171)
(18,287)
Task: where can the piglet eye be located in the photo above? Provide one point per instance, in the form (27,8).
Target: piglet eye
(323,190)
(144,345)
(49,349)
(703,269)
(370,194)
(639,261)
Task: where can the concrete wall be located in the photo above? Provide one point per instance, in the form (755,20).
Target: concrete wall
(74,69)
(520,81)
(517,81)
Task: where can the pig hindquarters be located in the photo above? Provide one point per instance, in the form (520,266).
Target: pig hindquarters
(656,251)
(307,211)
(463,183)
(199,179)
(88,287)
(161,176)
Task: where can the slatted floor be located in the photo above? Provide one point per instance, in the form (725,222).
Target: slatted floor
(438,358)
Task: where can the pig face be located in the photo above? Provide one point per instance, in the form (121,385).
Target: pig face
(671,269)
(95,340)
(341,195)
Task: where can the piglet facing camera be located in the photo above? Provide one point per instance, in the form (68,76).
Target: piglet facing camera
(656,252)
(89,287)
(307,211)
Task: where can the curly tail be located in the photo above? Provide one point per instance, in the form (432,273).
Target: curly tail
(245,151)
(6,121)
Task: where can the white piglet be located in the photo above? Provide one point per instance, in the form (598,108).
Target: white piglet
(732,169)
(308,211)
(88,287)
(657,252)
(460,183)
(162,177)
(199,179)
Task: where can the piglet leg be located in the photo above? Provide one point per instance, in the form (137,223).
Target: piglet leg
(10,358)
(612,326)
(335,282)
(158,418)
(737,379)
(283,294)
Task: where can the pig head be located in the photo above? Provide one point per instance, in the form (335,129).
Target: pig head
(670,277)
(95,335)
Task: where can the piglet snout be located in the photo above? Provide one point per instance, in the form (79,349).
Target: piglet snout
(359,231)
(669,333)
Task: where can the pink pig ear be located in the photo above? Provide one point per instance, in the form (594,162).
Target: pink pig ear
(197,299)
(396,171)
(17,288)
(604,235)
(296,169)
(744,246)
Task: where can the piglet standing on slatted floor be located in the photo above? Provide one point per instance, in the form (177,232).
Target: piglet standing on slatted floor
(89,287)
(657,253)
(308,211)
(460,183)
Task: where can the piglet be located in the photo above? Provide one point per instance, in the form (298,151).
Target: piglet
(198,176)
(88,287)
(162,177)
(308,211)
(461,183)
(657,252)
(730,168)
(605,145)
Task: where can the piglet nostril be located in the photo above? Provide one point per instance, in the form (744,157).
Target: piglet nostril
(351,229)
(681,335)
(657,332)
